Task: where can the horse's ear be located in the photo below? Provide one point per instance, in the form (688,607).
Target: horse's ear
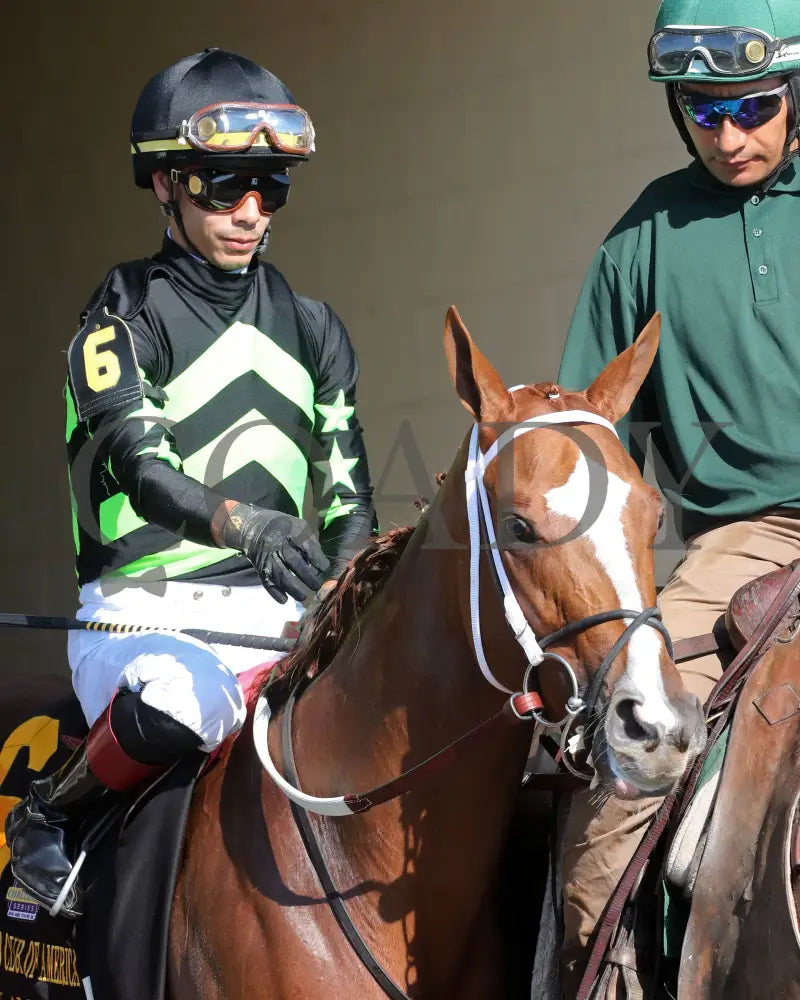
(614,389)
(478,385)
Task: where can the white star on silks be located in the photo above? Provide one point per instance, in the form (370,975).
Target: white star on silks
(337,509)
(336,415)
(337,469)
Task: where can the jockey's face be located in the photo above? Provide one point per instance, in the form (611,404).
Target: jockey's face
(739,157)
(228,240)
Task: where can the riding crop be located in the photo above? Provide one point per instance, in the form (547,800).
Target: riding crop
(276,643)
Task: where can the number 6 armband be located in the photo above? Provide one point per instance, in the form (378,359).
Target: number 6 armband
(102,365)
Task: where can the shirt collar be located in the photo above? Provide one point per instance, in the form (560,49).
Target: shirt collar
(788,182)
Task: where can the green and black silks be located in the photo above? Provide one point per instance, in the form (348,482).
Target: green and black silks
(246,389)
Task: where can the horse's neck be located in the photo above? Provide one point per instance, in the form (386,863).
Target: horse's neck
(407,656)
(404,685)
(405,681)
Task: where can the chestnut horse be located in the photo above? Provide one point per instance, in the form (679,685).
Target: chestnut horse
(407,655)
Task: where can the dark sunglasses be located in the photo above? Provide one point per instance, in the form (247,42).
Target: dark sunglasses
(747,112)
(225,190)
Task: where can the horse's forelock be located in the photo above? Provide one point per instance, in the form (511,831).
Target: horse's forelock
(335,616)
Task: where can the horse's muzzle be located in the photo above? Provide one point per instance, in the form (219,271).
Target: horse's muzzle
(637,755)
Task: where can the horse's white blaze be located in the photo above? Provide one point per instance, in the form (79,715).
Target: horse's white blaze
(607,536)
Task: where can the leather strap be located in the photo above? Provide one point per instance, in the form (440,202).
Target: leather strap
(551,781)
(332,895)
(561,781)
(698,645)
(511,714)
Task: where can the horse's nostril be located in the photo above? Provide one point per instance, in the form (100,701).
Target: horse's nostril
(634,727)
(688,731)
(683,740)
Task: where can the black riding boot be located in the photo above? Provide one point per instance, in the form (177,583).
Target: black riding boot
(39,835)
(41,830)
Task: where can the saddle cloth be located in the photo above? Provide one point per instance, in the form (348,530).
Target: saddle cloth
(118,949)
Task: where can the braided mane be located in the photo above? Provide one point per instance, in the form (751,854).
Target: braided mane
(338,613)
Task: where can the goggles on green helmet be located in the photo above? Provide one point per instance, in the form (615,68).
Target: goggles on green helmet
(726,51)
(223,191)
(232,127)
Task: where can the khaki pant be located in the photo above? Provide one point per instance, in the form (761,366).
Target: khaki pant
(599,843)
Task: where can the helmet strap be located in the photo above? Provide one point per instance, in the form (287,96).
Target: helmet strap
(262,246)
(793,106)
(679,120)
(792,130)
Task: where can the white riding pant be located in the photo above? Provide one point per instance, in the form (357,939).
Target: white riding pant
(192,681)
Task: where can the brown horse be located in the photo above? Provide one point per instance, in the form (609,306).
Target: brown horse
(743,936)
(406,658)
(722,891)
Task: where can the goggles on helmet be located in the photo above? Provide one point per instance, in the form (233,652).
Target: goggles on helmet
(726,51)
(747,112)
(230,127)
(223,191)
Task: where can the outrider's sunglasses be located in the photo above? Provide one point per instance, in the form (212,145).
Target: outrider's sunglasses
(224,190)
(747,112)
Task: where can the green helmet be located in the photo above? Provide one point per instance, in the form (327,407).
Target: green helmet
(725,40)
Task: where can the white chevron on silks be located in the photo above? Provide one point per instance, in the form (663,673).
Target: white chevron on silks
(242,348)
(252,438)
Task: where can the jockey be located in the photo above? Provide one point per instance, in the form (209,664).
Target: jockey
(201,394)
(712,246)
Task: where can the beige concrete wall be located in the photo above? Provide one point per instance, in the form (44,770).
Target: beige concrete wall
(469,152)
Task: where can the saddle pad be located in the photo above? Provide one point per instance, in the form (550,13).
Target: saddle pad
(38,955)
(130,881)
(682,860)
(679,866)
(40,724)
(118,949)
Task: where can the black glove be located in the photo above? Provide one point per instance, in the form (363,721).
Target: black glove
(283,549)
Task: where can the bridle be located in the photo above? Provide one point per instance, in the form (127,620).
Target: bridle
(536,652)
(523,706)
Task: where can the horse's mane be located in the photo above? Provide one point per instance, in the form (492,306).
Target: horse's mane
(338,612)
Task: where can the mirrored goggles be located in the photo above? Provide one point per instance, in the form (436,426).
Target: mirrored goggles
(232,127)
(726,51)
(747,112)
(225,190)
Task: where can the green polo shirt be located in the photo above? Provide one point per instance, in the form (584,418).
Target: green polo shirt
(722,401)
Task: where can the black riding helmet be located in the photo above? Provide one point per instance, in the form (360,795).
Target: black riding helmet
(199,81)
(186,113)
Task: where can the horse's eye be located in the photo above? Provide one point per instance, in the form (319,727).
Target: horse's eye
(661,516)
(517,530)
